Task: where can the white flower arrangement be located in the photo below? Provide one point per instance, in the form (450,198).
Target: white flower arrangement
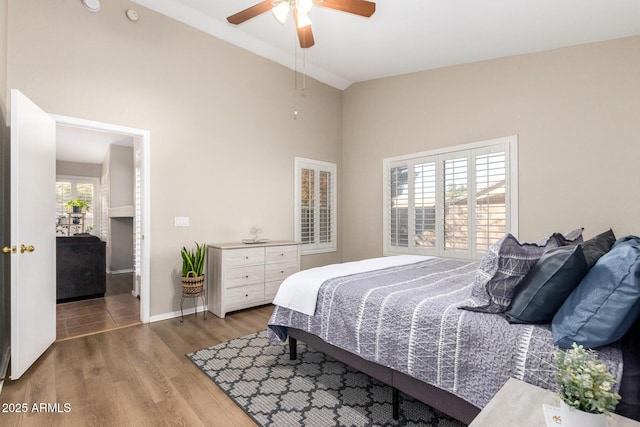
(584,382)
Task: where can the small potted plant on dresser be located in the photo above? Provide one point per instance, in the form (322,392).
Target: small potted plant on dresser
(193,270)
(585,388)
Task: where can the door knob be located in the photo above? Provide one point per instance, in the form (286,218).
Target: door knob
(8,249)
(29,248)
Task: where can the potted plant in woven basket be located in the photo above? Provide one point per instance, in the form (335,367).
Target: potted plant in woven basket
(585,388)
(193,270)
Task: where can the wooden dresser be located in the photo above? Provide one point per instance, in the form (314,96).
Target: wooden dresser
(246,275)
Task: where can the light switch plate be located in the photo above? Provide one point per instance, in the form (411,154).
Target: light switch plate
(181,221)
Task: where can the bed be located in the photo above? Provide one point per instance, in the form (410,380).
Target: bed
(403,324)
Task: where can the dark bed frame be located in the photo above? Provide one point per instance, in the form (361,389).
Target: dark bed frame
(439,399)
(454,406)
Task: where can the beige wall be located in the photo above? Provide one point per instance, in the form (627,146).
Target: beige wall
(121,180)
(223,138)
(78,169)
(3,56)
(576,111)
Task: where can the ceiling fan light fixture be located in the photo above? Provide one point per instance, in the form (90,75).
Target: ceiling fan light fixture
(92,5)
(280,11)
(304,6)
(303,20)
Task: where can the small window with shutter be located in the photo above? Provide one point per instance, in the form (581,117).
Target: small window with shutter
(315,205)
(453,202)
(86,189)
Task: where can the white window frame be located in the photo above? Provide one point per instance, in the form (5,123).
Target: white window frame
(317,166)
(97,205)
(508,144)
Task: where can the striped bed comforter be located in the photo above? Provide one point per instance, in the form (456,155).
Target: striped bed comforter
(407,318)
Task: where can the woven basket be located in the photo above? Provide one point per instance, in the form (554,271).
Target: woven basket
(192,285)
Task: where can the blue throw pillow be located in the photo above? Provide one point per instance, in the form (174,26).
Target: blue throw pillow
(606,302)
(551,280)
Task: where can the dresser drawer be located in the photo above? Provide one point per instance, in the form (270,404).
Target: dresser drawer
(271,289)
(245,296)
(240,257)
(280,271)
(234,277)
(274,254)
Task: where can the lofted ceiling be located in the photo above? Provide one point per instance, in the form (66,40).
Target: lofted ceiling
(405,36)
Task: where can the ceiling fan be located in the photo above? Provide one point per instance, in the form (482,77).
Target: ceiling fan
(301,8)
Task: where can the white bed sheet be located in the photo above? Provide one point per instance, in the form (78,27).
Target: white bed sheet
(299,291)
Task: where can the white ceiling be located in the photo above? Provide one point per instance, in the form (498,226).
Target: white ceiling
(81,145)
(405,36)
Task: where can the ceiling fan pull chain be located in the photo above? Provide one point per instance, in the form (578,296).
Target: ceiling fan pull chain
(304,71)
(295,77)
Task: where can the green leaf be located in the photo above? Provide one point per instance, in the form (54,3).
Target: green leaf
(193,260)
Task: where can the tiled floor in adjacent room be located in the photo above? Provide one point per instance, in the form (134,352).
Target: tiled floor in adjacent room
(117,309)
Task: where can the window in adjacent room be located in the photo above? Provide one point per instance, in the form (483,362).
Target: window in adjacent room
(453,202)
(71,188)
(315,205)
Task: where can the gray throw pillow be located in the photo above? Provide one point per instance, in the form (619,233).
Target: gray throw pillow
(504,266)
(597,246)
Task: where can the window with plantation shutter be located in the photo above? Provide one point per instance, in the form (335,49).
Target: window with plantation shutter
(82,188)
(453,202)
(315,205)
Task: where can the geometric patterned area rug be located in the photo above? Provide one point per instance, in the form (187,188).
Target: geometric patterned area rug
(315,390)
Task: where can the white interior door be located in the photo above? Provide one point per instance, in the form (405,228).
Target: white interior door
(33,239)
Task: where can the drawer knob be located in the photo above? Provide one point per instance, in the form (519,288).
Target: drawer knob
(246,295)
(246,277)
(281,254)
(282,271)
(246,257)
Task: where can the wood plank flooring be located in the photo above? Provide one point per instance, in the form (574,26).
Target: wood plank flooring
(134,376)
(118,308)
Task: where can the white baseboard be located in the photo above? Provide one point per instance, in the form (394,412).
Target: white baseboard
(174,314)
(120,271)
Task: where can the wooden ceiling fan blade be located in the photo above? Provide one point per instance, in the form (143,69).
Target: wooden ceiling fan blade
(305,34)
(357,7)
(250,12)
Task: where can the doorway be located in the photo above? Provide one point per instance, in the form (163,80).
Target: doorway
(116,307)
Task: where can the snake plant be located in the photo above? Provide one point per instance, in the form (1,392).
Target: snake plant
(193,261)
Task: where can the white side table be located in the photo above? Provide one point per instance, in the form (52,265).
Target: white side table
(520,404)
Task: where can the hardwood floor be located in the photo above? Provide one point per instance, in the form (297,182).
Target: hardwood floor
(118,308)
(135,376)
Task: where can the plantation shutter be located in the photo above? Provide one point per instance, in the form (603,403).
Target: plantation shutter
(425,205)
(63,195)
(455,212)
(399,207)
(315,216)
(325,197)
(307,206)
(490,200)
